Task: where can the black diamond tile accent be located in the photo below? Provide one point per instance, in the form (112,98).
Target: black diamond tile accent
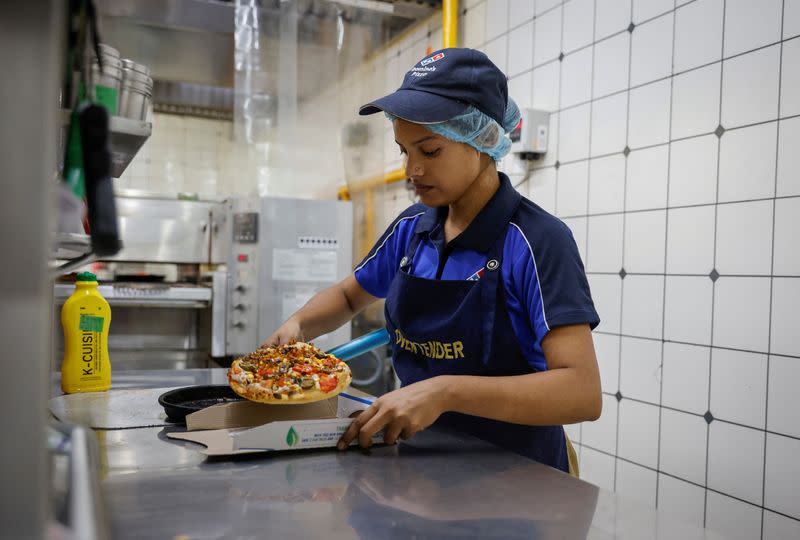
(618,395)
(714,275)
(558,164)
(709,417)
(626,151)
(631,27)
(720,131)
(622,274)
(464,12)
(561,57)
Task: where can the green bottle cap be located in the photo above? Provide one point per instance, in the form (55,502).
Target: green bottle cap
(86,276)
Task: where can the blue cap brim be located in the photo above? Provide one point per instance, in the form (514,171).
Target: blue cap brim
(416,106)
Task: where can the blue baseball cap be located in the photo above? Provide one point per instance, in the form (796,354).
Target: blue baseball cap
(443,85)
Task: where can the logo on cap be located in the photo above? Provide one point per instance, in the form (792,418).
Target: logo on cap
(432,59)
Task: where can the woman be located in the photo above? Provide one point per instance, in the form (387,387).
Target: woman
(487,300)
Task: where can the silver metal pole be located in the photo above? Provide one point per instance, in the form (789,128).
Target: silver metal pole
(31,48)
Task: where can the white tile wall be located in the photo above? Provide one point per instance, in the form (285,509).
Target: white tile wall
(741,313)
(740,176)
(778,527)
(573,186)
(648,9)
(649,115)
(520,39)
(605,234)
(681,499)
(607,350)
(749,25)
(704,319)
(693,171)
(735,519)
(784,338)
(744,238)
(542,191)
(521,10)
(520,88)
(578,24)
(191,155)
(791,18)
(739,387)
(573,133)
(609,59)
(545,90)
(787,223)
(750,87)
(638,433)
(784,372)
(739,473)
(698,34)
(609,125)
(640,374)
(576,77)
(602,434)
(612,16)
(683,446)
(597,468)
(547,37)
(695,101)
(686,375)
(790,78)
(607,184)
(687,309)
(642,305)
(651,50)
(782,491)
(636,483)
(646,185)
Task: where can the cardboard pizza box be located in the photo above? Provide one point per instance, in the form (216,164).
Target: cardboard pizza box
(245,427)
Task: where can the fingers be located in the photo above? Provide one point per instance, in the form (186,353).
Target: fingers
(392,433)
(355,427)
(373,426)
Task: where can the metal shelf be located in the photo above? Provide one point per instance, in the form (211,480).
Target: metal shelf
(71,245)
(153,296)
(127,137)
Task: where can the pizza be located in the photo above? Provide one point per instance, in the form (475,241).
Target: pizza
(287,374)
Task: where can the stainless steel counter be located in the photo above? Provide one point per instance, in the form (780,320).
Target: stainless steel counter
(437,485)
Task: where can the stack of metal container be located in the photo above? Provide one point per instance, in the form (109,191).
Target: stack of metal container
(122,85)
(136,91)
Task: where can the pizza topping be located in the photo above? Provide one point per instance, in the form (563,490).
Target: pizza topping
(288,371)
(326,384)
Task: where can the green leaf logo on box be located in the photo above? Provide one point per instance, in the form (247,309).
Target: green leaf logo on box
(291,438)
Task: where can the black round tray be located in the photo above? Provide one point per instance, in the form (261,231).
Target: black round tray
(182,401)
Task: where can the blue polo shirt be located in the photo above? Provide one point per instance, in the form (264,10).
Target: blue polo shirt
(542,273)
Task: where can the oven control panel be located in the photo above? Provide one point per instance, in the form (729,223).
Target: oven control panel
(242,317)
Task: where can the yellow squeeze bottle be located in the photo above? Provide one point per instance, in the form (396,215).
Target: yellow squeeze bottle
(85,318)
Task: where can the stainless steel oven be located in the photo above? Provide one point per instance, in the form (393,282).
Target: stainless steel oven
(277,253)
(198,282)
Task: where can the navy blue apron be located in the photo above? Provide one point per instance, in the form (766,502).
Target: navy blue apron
(455,327)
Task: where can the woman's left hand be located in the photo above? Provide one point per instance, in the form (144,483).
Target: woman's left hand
(400,414)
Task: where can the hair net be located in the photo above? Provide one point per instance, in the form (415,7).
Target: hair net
(479,130)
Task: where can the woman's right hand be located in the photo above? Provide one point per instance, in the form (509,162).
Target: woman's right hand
(288,331)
